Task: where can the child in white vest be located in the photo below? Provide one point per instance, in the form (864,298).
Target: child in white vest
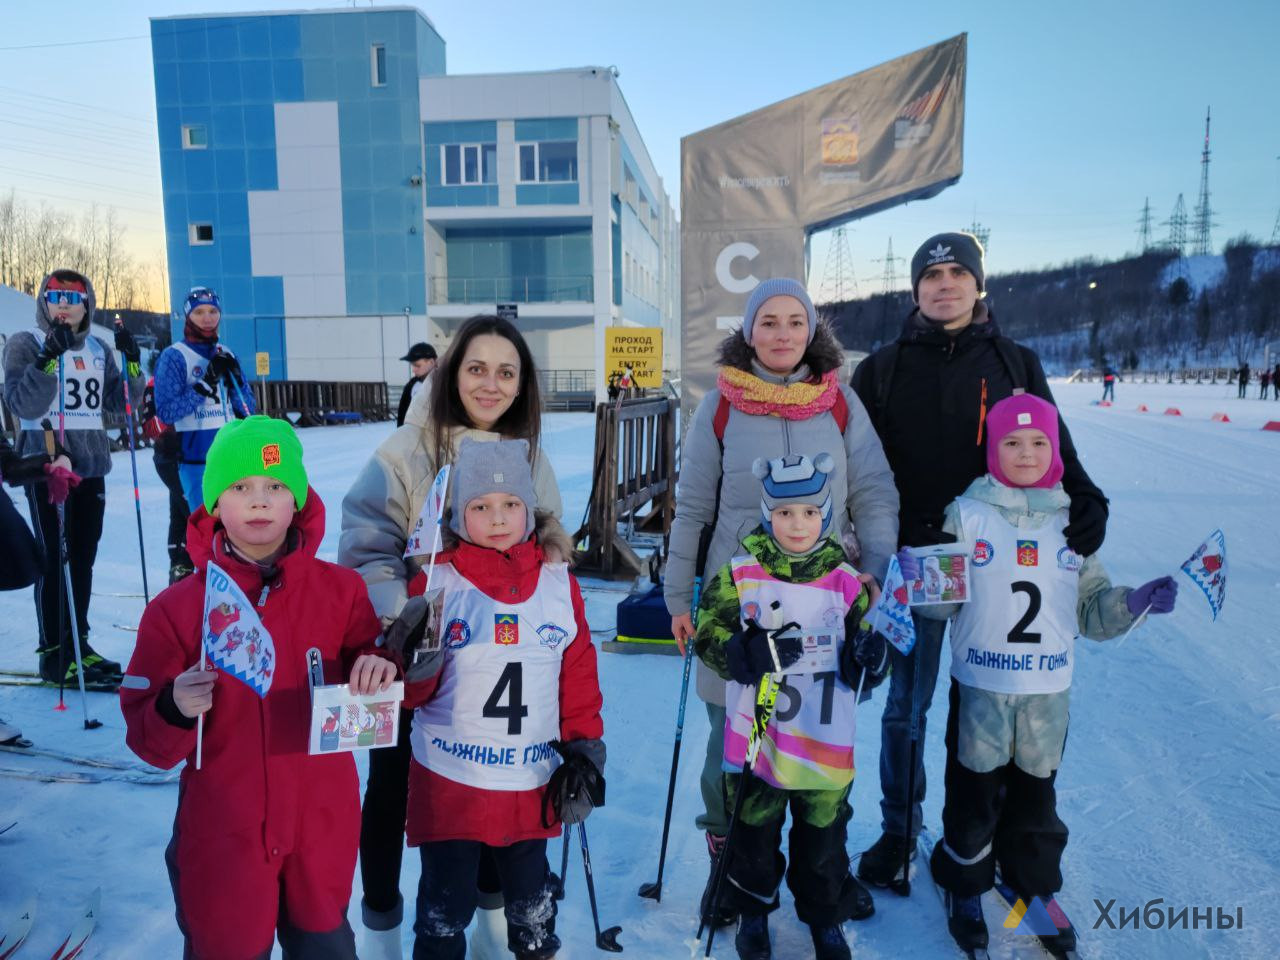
(791,592)
(506,732)
(1012,658)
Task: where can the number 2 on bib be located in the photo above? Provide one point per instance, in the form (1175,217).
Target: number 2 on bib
(511,684)
(1019,632)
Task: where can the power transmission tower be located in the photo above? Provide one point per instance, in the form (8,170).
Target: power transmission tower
(1144,227)
(982,233)
(889,278)
(1177,224)
(838,281)
(1204,214)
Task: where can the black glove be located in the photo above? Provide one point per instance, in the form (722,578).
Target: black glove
(920,532)
(126,344)
(60,339)
(1088,526)
(222,366)
(576,786)
(750,656)
(405,638)
(864,650)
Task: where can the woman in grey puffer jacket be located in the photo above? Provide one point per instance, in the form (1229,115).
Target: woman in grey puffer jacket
(779,386)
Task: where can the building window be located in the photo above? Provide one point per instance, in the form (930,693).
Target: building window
(378,64)
(553,162)
(469,163)
(195,136)
(200,234)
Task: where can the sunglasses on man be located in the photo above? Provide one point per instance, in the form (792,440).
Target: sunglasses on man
(69,298)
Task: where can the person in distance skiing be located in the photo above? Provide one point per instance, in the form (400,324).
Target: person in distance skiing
(1011,665)
(61,373)
(507,730)
(166,452)
(199,387)
(265,837)
(792,592)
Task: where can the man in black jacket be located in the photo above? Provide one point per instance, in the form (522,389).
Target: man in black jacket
(422,360)
(928,394)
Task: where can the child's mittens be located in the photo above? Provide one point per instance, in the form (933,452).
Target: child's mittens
(405,638)
(1160,594)
(750,652)
(576,786)
(867,650)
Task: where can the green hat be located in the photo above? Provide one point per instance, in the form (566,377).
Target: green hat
(255,447)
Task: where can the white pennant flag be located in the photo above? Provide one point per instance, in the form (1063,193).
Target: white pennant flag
(427,529)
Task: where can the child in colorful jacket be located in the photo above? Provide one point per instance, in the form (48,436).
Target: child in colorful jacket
(1012,654)
(510,691)
(265,837)
(792,595)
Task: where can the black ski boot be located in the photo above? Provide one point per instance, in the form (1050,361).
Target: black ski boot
(881,863)
(1064,941)
(96,663)
(56,665)
(863,904)
(726,914)
(829,943)
(752,938)
(966,922)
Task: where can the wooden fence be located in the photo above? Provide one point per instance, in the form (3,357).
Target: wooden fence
(311,403)
(634,469)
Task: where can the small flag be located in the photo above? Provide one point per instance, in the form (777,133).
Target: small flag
(425,531)
(892,615)
(235,640)
(1207,568)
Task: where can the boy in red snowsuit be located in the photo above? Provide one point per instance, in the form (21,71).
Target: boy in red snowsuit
(513,688)
(265,837)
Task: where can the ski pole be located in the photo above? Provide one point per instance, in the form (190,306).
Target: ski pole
(903,887)
(133,462)
(606,940)
(563,880)
(766,697)
(653,891)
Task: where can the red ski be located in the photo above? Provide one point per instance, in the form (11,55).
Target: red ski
(79,936)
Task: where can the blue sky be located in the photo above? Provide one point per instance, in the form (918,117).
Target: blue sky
(1075,113)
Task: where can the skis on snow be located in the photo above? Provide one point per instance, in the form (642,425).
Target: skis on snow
(15,931)
(924,850)
(79,935)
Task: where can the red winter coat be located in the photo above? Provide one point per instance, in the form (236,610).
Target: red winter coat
(256,773)
(443,809)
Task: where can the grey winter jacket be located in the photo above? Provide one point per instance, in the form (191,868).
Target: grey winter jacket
(29,391)
(861,485)
(386,499)
(1030,729)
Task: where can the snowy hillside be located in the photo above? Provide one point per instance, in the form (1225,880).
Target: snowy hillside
(1170,786)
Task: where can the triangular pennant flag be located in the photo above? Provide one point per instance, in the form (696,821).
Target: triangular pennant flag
(235,640)
(1207,568)
(892,615)
(424,531)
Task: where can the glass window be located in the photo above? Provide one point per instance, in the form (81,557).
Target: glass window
(195,136)
(471,164)
(558,161)
(489,162)
(529,162)
(378,64)
(200,234)
(452,163)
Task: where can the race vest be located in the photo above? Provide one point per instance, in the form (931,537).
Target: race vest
(1017,633)
(212,413)
(497,707)
(79,404)
(808,743)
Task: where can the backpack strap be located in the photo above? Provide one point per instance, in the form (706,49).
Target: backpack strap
(883,364)
(1011,356)
(840,411)
(721,419)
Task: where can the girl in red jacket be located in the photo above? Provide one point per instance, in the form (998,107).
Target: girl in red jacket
(513,689)
(265,837)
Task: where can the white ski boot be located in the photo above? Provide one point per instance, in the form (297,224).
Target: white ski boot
(489,935)
(380,934)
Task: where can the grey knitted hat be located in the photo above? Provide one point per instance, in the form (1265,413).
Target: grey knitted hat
(490,466)
(777,287)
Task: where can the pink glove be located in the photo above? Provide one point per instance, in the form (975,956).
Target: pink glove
(60,481)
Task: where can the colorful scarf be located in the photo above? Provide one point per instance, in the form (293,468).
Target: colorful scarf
(792,401)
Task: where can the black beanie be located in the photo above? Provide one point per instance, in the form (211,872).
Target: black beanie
(961,248)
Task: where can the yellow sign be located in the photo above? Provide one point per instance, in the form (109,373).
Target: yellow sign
(264,363)
(634,355)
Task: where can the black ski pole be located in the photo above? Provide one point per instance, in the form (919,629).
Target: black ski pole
(903,887)
(133,462)
(653,891)
(766,697)
(606,940)
(557,888)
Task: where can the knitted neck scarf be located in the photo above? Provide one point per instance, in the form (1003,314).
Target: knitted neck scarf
(792,401)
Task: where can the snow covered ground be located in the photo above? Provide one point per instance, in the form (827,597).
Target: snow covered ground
(1171,783)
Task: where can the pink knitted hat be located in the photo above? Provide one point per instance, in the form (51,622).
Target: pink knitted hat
(1019,412)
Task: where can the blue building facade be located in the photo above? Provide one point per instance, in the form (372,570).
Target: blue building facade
(345,197)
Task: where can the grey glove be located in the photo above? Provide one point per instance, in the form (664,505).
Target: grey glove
(405,638)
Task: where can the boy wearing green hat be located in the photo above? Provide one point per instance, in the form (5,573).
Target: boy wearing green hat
(265,837)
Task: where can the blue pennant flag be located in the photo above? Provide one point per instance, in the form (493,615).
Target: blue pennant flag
(235,640)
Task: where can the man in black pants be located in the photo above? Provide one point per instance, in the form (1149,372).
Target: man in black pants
(62,374)
(928,394)
(166,452)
